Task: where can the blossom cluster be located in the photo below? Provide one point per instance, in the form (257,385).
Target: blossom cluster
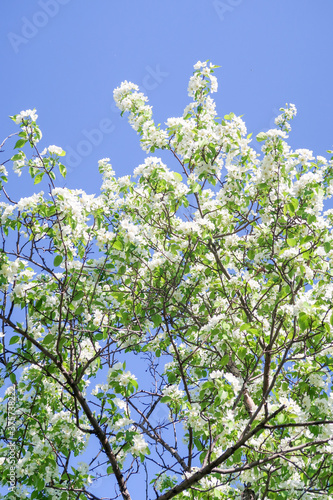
(213,282)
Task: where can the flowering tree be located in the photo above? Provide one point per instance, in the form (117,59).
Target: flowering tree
(180,324)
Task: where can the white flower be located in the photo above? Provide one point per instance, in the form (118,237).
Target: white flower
(322,159)
(104,161)
(173,392)
(9,270)
(99,318)
(125,378)
(189,227)
(308,272)
(29,114)
(88,350)
(131,232)
(304,155)
(124,181)
(17,166)
(200,65)
(212,322)
(122,422)
(216,374)
(3,170)
(120,403)
(53,150)
(316,380)
(139,445)
(117,366)
(20,289)
(234,381)
(99,387)
(274,132)
(306,179)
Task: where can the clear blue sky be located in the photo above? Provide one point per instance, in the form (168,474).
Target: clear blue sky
(65,57)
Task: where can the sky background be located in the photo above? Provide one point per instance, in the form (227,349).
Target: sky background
(65,57)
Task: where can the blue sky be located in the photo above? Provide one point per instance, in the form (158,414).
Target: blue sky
(65,57)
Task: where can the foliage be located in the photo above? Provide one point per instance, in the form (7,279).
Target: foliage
(214,287)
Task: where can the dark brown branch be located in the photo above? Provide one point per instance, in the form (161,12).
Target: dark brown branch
(187,483)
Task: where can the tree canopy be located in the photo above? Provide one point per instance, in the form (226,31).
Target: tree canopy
(176,329)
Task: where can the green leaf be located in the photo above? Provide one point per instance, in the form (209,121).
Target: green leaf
(251,253)
(20,143)
(306,239)
(280,418)
(196,187)
(242,351)
(16,157)
(261,137)
(177,177)
(12,377)
(171,378)
(40,484)
(48,339)
(33,171)
(57,260)
(78,296)
(157,320)
(63,170)
(327,246)
(40,302)
(122,270)
(331,319)
(39,178)
(291,208)
(166,399)
(303,321)
(295,203)
(224,360)
(14,340)
(117,245)
(119,296)
(291,242)
(135,384)
(237,456)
